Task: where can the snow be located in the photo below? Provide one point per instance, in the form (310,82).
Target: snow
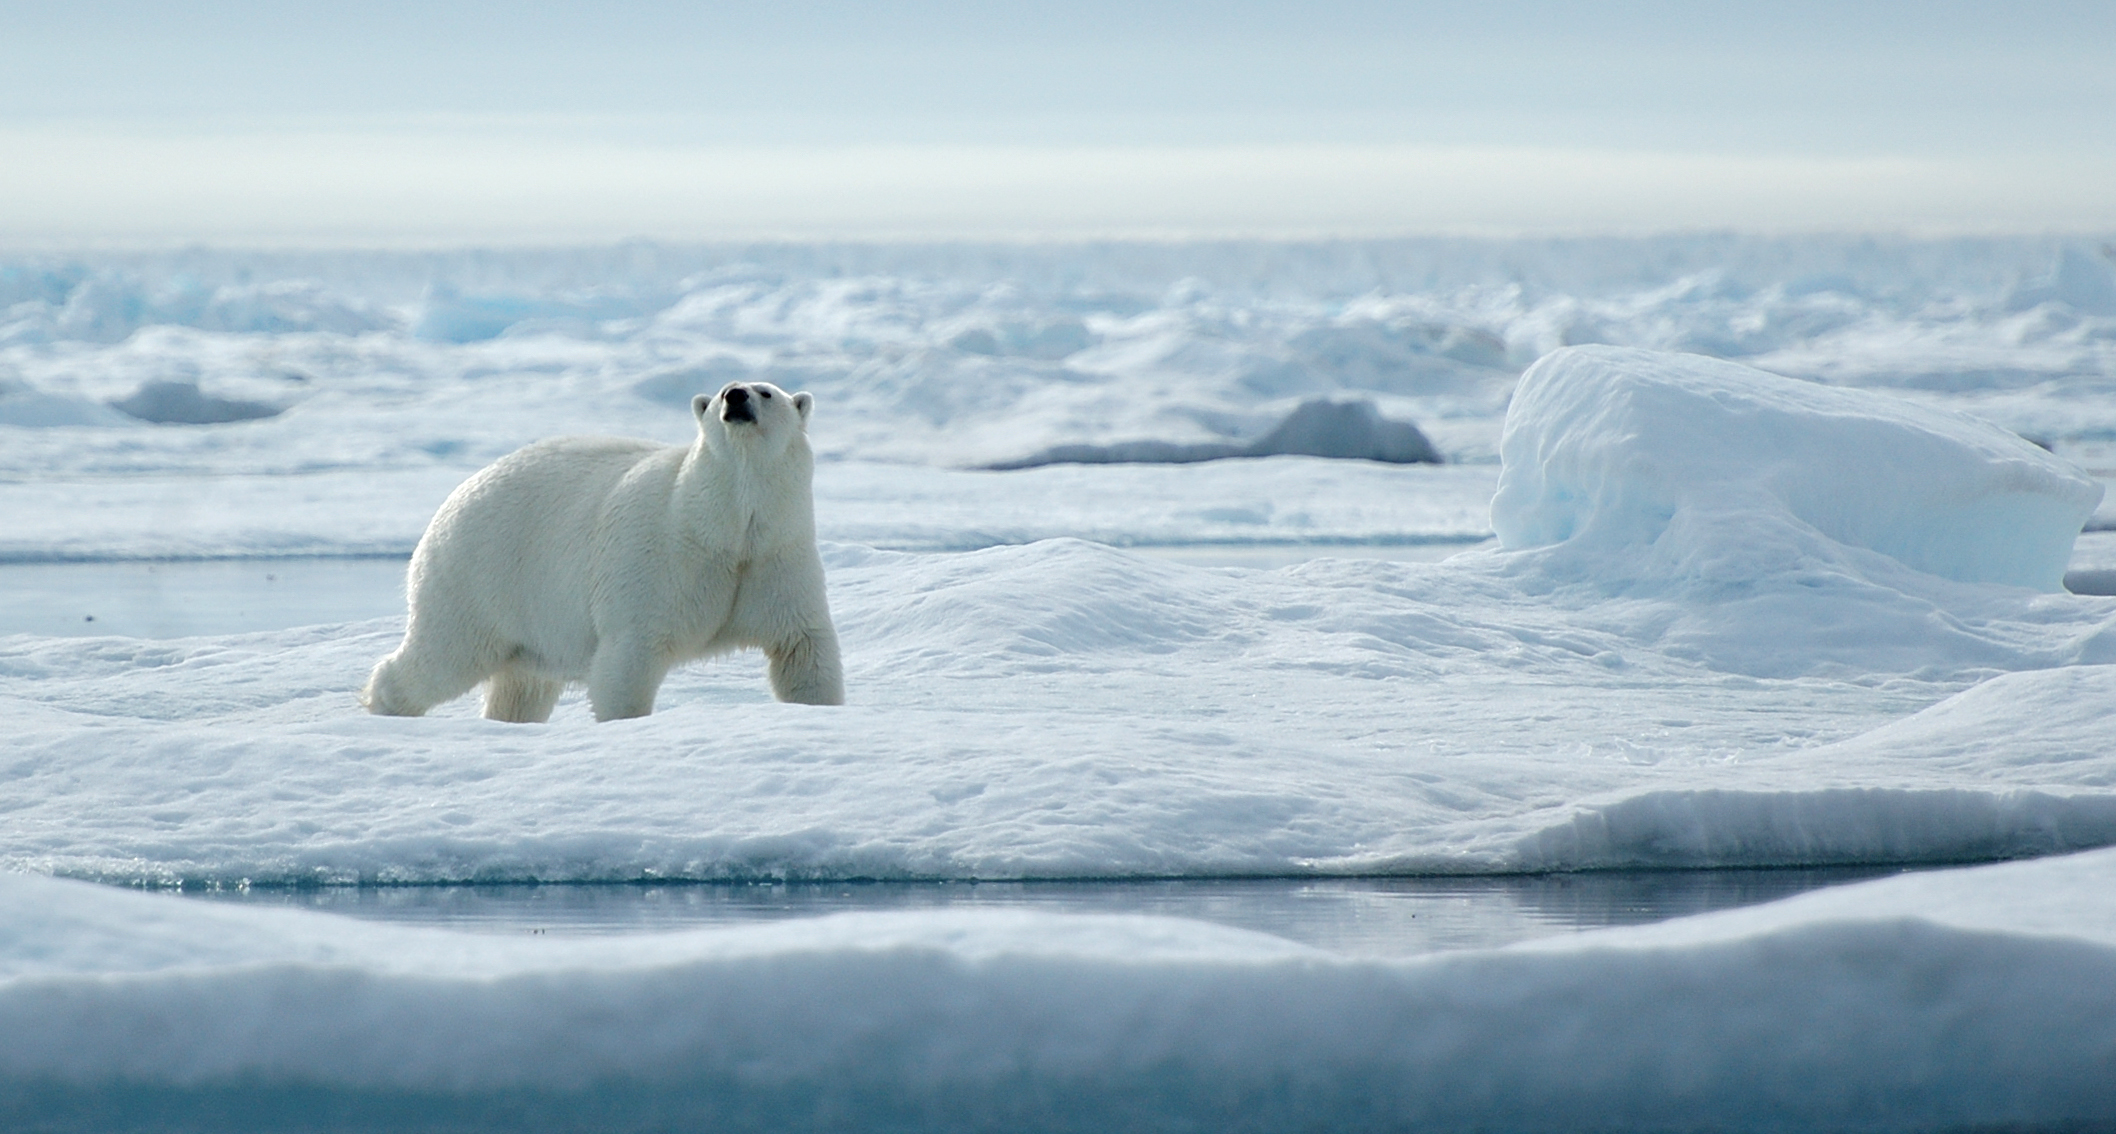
(1970,997)
(1797,603)
(1066,709)
(1755,574)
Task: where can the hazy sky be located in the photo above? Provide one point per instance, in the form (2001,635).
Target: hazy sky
(445,122)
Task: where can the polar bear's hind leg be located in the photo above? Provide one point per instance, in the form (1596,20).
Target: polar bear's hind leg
(623,679)
(411,680)
(520,696)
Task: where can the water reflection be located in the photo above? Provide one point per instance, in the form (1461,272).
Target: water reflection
(185,598)
(154,599)
(1387,917)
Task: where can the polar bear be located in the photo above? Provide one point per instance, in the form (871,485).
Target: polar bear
(608,560)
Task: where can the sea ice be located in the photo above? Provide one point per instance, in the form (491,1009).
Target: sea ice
(1069,710)
(1771,624)
(1751,569)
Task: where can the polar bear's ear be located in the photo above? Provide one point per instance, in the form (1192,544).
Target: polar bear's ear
(804,401)
(699,404)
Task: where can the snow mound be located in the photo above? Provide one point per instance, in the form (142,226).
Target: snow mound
(1319,427)
(1972,998)
(1861,799)
(1705,468)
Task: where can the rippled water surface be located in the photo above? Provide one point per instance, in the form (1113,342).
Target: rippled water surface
(1385,917)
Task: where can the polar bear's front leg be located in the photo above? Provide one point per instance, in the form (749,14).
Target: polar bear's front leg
(806,671)
(623,679)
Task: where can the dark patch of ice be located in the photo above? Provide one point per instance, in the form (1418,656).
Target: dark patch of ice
(2091,581)
(1319,428)
(182,403)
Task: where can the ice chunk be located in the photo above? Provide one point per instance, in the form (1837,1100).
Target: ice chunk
(103,311)
(2081,281)
(1320,427)
(1710,468)
(1325,428)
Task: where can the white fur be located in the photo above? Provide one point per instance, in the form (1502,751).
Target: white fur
(609,561)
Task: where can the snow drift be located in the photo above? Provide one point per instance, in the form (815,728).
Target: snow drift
(1972,998)
(1706,467)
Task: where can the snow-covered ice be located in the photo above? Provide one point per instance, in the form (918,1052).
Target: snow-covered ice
(1070,710)
(1811,581)
(1795,603)
(1964,999)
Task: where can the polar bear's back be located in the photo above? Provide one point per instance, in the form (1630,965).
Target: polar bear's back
(518,529)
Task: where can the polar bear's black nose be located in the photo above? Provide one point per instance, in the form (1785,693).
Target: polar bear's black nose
(735,403)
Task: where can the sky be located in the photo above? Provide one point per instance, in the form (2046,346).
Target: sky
(553,122)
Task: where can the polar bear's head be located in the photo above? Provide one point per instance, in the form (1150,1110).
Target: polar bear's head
(753,414)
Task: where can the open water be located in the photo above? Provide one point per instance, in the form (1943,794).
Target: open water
(1369,917)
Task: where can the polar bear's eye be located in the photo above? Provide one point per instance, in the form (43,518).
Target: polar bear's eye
(764,393)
